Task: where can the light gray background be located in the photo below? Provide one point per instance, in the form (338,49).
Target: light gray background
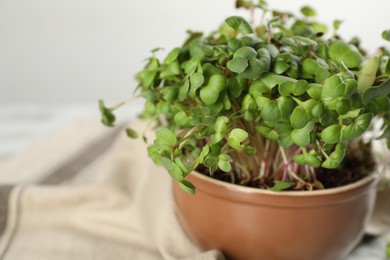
(77,51)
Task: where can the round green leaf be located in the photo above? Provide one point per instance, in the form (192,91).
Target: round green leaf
(286,88)
(169,93)
(224,162)
(237,64)
(340,51)
(131,133)
(315,91)
(308,11)
(299,117)
(343,107)
(333,87)
(167,136)
(188,187)
(331,134)
(196,80)
(300,87)
(245,52)
(236,136)
(386,35)
(286,106)
(318,110)
(210,93)
(271,111)
(254,70)
(182,119)
(301,137)
(239,24)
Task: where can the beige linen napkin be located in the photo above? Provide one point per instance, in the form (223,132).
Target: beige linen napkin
(119,207)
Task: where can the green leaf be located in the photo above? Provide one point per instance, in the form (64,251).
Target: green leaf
(188,187)
(192,65)
(224,162)
(182,167)
(343,107)
(237,64)
(236,136)
(282,185)
(182,119)
(377,91)
(299,118)
(367,74)
(286,106)
(264,58)
(300,87)
(172,56)
(308,11)
(172,69)
(210,93)
(315,91)
(304,40)
(183,91)
(150,72)
(271,111)
(131,133)
(318,110)
(379,104)
(307,159)
(333,87)
(331,134)
(313,67)
(281,63)
(386,35)
(220,127)
(301,137)
(335,157)
(107,117)
(336,24)
(211,162)
(166,136)
(239,24)
(236,86)
(173,169)
(245,52)
(254,70)
(286,88)
(357,128)
(169,93)
(387,67)
(340,51)
(267,132)
(196,80)
(351,86)
(154,154)
(319,27)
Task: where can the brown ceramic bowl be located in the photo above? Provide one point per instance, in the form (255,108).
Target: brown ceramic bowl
(248,223)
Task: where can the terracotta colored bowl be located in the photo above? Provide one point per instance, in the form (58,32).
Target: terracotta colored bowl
(247,223)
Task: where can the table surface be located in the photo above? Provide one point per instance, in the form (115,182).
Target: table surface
(22,125)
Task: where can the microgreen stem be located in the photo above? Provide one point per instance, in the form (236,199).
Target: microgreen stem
(124,102)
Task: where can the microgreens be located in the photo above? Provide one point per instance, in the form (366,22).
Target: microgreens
(274,101)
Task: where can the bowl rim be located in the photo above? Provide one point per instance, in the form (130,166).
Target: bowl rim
(370,178)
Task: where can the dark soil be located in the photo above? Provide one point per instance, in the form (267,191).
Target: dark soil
(355,167)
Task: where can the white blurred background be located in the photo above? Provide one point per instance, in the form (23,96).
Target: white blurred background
(77,51)
(58,57)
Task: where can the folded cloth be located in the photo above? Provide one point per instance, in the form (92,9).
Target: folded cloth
(117,207)
(95,201)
